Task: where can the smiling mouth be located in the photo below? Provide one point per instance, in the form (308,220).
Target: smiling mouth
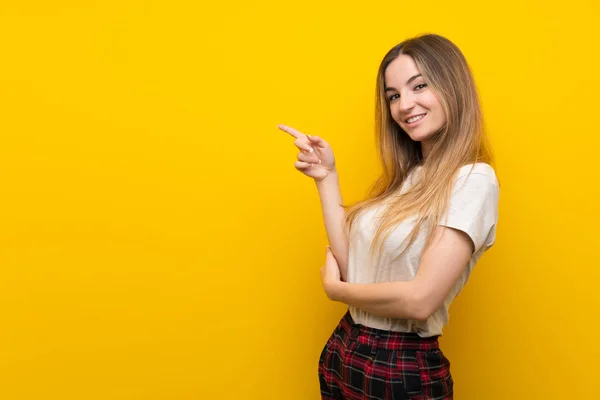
(415,118)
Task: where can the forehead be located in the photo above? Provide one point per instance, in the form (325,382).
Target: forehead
(400,70)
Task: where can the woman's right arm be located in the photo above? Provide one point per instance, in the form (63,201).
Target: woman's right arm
(316,161)
(333,217)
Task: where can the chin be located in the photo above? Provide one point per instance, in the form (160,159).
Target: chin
(420,138)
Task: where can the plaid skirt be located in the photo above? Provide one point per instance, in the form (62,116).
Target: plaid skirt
(360,363)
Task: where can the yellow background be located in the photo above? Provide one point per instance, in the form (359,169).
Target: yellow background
(157,243)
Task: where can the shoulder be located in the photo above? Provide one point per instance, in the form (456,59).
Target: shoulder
(476,181)
(477,172)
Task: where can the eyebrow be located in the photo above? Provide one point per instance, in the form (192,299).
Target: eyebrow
(412,78)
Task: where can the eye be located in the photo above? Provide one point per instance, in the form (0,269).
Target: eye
(420,86)
(393,97)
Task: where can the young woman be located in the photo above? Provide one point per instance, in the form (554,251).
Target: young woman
(399,258)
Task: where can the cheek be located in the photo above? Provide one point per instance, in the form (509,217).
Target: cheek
(438,104)
(435,105)
(395,114)
(441,113)
(443,117)
(432,101)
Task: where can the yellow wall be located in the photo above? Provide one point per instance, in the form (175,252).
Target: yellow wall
(157,243)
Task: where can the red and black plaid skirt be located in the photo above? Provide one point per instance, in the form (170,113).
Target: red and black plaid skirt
(359,362)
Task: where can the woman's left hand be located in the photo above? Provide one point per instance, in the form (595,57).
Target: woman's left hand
(330,275)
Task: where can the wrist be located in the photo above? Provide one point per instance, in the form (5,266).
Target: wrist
(332,176)
(336,290)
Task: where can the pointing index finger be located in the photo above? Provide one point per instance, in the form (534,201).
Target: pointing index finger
(293,132)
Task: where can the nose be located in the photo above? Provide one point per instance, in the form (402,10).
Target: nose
(406,103)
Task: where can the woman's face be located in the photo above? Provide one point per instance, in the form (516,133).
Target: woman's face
(413,104)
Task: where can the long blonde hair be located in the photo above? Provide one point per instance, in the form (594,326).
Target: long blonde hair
(460,142)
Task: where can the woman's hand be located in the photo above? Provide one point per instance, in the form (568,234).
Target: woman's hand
(315,158)
(330,275)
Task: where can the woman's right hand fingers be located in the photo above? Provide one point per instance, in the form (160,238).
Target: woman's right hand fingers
(309,158)
(301,165)
(315,158)
(316,140)
(303,145)
(301,141)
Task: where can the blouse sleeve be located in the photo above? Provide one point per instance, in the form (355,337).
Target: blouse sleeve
(473,208)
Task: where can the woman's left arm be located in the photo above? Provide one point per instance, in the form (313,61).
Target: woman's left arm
(441,265)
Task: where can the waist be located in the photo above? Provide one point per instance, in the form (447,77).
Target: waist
(380,338)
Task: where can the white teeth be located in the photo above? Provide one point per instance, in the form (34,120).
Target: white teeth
(413,119)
